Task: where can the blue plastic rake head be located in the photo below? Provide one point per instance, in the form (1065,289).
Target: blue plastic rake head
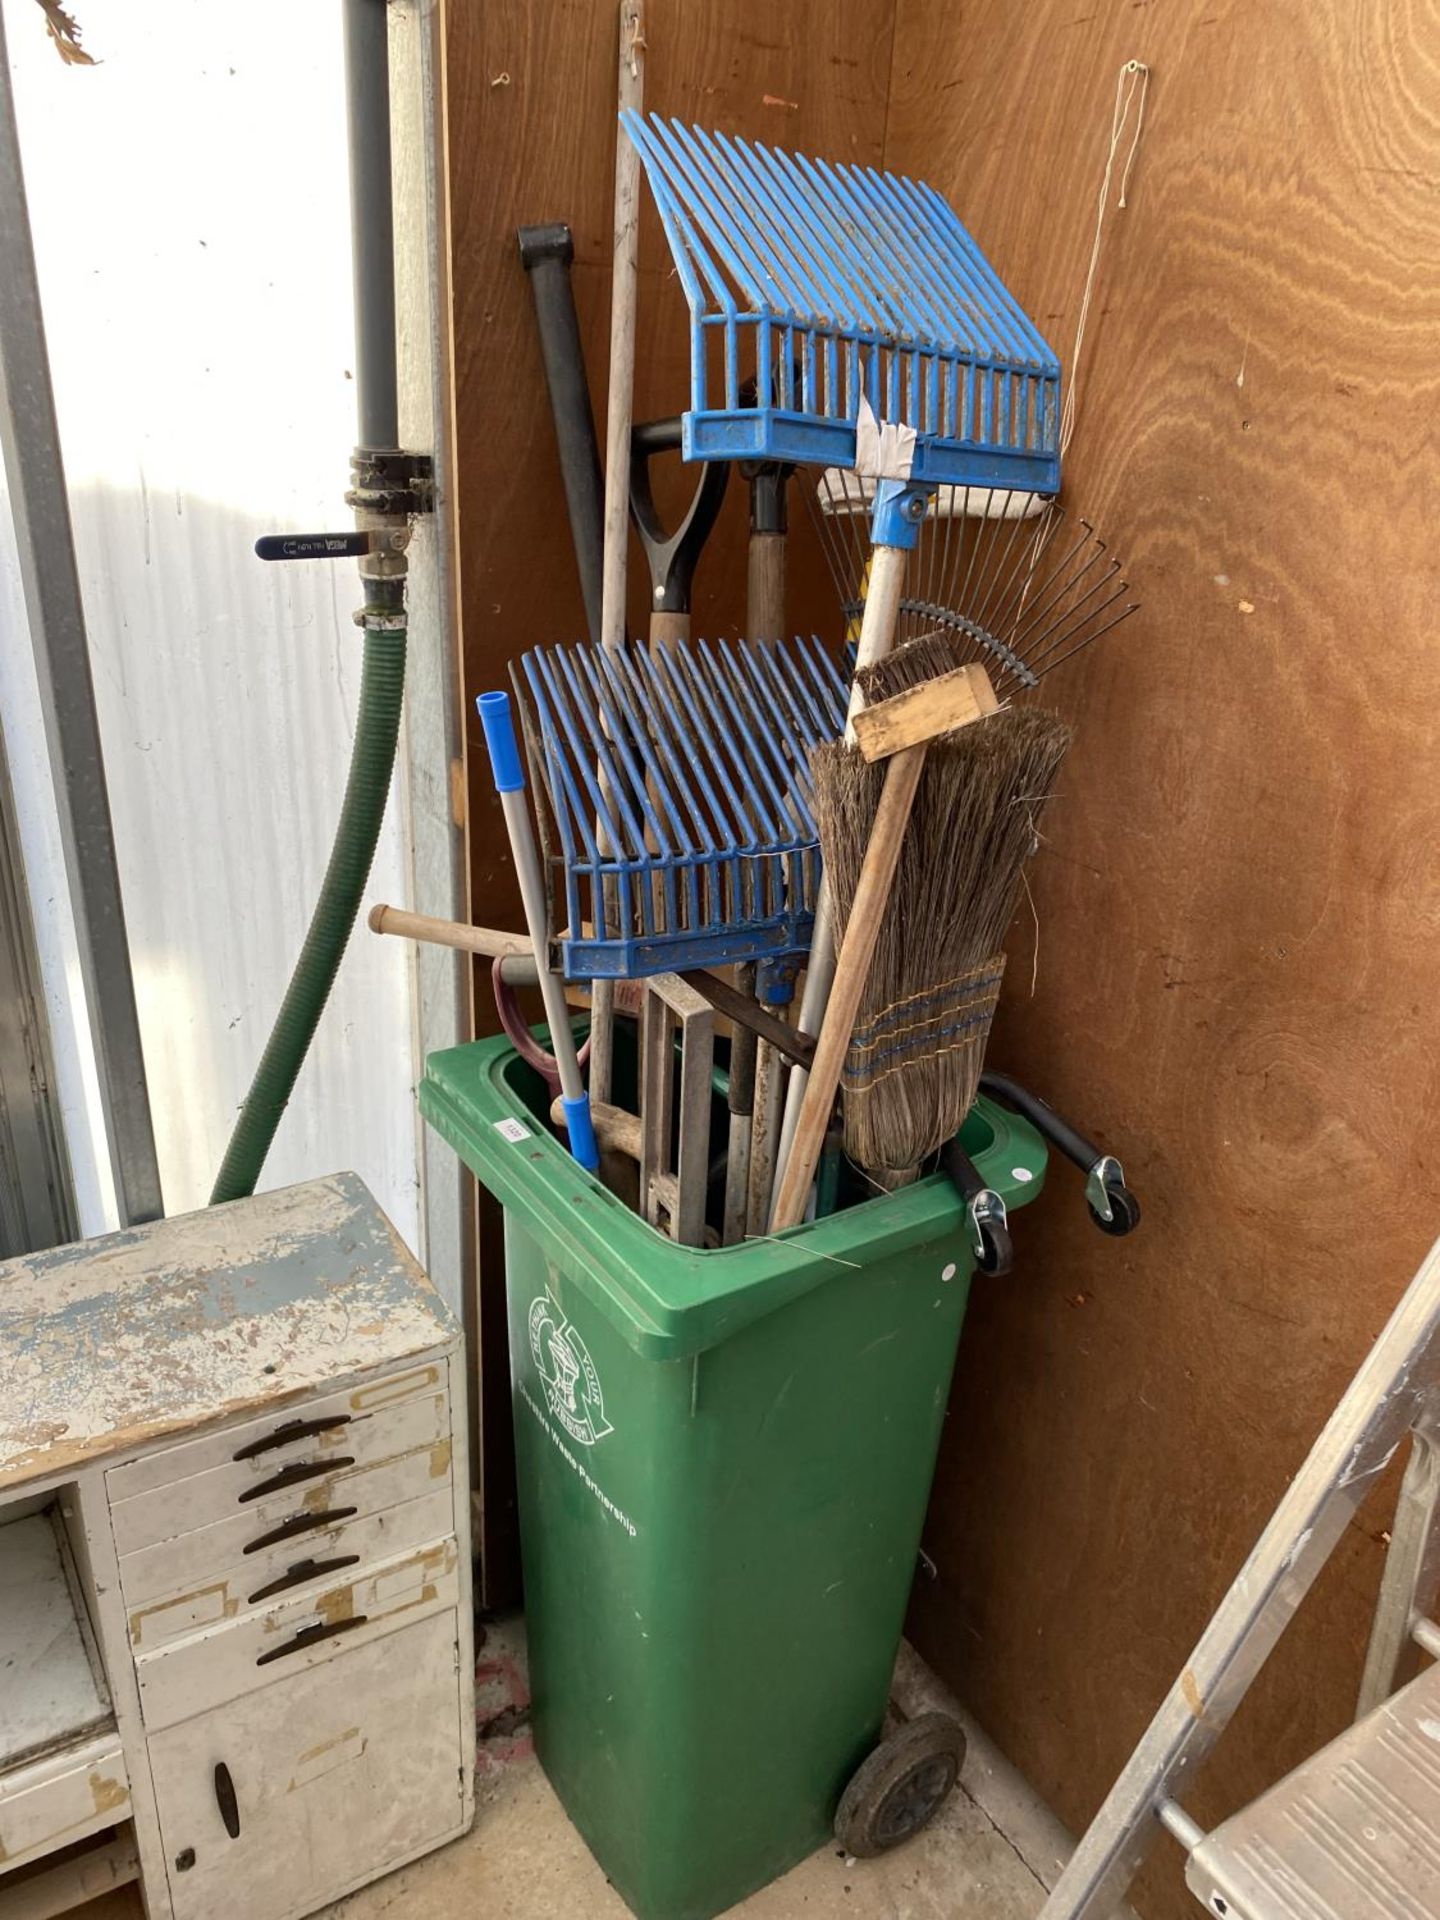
(679,786)
(820,282)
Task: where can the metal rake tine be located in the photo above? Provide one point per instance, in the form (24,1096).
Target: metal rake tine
(1047,527)
(1055,602)
(972,532)
(1077,618)
(1091,638)
(1000,571)
(1051,588)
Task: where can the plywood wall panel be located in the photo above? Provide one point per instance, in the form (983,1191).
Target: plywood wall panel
(1238,901)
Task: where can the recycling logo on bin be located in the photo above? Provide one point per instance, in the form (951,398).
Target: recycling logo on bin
(572,1386)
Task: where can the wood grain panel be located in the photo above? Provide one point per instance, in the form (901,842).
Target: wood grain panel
(1239,901)
(531,109)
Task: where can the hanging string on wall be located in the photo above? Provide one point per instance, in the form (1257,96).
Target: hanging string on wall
(1131,85)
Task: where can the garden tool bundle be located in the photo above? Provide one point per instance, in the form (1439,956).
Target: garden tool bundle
(841,318)
(854,313)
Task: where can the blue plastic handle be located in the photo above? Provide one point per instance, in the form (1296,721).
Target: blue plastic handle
(505,767)
(581,1128)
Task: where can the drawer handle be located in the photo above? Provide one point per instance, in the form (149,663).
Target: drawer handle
(300,1572)
(226,1801)
(312,1636)
(292,1476)
(292,1430)
(300,1523)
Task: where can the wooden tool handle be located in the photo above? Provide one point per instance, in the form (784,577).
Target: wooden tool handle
(872,896)
(489,942)
(765,587)
(666,628)
(919,714)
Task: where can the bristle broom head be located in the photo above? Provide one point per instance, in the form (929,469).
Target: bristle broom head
(914,1061)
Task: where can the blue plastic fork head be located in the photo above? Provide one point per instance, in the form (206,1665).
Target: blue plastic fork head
(505,767)
(812,285)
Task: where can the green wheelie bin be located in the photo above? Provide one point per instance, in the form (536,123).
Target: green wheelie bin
(724,1459)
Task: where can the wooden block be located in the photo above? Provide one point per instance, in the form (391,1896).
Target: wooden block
(921,713)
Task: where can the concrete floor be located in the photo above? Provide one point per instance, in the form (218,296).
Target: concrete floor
(988,1854)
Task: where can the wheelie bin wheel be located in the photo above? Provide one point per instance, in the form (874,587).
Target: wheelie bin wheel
(998,1250)
(1124,1210)
(901,1787)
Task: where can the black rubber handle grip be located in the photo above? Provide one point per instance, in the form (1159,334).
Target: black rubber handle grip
(314,546)
(289,1431)
(302,1571)
(226,1801)
(299,1523)
(293,1476)
(311,1637)
(1069,1140)
(546,253)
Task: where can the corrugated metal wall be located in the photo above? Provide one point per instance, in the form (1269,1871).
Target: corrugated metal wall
(189,201)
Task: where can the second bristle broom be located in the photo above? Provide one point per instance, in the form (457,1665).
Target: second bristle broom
(925,829)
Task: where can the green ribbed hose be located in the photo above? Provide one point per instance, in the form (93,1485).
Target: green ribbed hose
(367,789)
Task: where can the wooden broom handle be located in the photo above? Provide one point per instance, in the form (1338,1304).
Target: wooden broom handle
(852,968)
(489,942)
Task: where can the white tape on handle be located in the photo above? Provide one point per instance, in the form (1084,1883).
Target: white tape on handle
(884,450)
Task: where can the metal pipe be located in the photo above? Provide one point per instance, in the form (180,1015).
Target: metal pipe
(40,506)
(372,221)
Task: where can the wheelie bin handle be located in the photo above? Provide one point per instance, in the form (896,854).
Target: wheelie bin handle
(1113,1206)
(984,1210)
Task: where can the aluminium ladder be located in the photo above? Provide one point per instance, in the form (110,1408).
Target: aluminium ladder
(1354,1832)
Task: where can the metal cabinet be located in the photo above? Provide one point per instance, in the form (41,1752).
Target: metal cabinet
(232,1445)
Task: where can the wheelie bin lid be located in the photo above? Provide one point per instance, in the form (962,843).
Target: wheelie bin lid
(671,1301)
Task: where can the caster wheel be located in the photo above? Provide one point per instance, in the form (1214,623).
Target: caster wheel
(999,1251)
(1124,1212)
(901,1787)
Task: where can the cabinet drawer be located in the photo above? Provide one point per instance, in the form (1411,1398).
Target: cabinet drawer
(300,1518)
(61,1798)
(273,1437)
(277,1642)
(297,1466)
(292,1566)
(278,1802)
